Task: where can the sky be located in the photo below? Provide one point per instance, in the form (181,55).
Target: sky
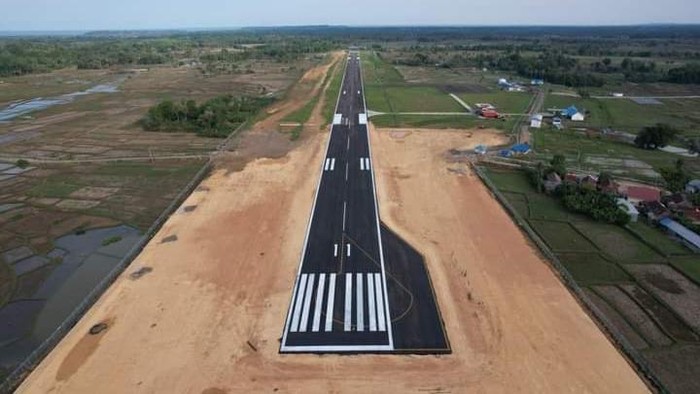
(27,15)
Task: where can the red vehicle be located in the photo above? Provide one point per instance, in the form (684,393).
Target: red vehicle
(490,114)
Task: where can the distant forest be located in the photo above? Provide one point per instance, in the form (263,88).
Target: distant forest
(20,56)
(647,53)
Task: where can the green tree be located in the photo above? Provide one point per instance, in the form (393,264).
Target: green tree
(558,164)
(676,177)
(654,137)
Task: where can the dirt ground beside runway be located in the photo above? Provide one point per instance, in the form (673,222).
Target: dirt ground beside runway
(208,318)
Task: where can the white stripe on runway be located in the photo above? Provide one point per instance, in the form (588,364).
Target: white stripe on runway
(362,164)
(360,304)
(367,163)
(348,250)
(330,304)
(348,302)
(335,250)
(332,164)
(307,303)
(328,164)
(319,302)
(297,306)
(370,298)
(381,319)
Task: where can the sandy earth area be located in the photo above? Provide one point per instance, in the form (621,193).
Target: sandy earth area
(208,318)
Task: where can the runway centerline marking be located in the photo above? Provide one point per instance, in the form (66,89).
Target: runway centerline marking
(345,209)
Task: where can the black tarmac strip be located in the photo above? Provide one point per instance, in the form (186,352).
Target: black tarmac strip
(360,288)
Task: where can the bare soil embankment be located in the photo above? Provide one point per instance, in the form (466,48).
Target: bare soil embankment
(209,316)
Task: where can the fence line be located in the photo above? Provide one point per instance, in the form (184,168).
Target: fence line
(620,341)
(20,372)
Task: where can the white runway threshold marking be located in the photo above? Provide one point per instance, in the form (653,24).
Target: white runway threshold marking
(360,304)
(335,250)
(307,303)
(367,163)
(380,302)
(370,298)
(328,165)
(348,302)
(332,164)
(337,119)
(297,305)
(348,250)
(319,300)
(330,303)
(362,164)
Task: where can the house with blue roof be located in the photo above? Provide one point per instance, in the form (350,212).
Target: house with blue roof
(573,113)
(689,238)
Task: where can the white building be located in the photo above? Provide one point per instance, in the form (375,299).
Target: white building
(629,209)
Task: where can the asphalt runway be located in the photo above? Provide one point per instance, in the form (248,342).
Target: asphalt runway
(343,300)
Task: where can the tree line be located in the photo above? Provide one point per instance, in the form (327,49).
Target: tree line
(25,56)
(553,66)
(216,117)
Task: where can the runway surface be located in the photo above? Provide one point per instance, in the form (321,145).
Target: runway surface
(345,300)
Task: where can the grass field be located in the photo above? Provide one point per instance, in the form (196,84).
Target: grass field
(333,91)
(568,234)
(303,114)
(505,102)
(688,265)
(387,91)
(412,99)
(626,115)
(597,254)
(595,153)
(375,71)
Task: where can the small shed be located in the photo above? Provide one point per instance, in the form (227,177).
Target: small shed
(520,149)
(689,238)
(536,121)
(693,186)
(573,113)
(629,209)
(556,122)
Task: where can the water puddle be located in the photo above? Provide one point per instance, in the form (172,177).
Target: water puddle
(51,286)
(25,107)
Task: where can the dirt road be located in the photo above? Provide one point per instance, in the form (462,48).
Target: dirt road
(208,318)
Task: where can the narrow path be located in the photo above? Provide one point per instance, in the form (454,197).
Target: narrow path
(374,113)
(462,103)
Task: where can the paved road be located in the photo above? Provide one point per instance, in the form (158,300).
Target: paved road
(339,302)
